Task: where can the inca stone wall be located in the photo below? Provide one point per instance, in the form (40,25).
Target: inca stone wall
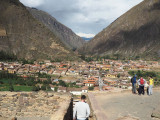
(34,105)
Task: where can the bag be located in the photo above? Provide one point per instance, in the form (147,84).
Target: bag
(131,79)
(141,81)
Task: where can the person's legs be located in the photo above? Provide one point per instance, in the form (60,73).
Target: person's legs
(150,89)
(134,88)
(140,89)
(143,90)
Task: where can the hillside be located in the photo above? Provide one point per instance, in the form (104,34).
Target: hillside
(136,33)
(26,37)
(66,35)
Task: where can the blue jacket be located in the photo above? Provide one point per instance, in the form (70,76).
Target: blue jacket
(133,80)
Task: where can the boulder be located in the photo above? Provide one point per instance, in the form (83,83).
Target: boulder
(156,113)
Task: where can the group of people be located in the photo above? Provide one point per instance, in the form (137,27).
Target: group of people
(142,83)
(81,109)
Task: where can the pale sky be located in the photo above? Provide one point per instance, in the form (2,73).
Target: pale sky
(85,17)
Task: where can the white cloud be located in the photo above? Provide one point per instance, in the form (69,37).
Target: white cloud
(84,16)
(32,3)
(85,35)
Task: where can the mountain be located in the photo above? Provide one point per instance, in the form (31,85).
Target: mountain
(135,33)
(26,37)
(66,35)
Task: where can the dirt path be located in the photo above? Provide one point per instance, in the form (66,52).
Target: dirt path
(117,106)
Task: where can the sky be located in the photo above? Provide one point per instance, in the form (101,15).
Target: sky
(85,17)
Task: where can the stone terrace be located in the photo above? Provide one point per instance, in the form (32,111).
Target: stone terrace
(33,105)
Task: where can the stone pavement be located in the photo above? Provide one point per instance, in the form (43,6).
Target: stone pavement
(124,105)
(33,105)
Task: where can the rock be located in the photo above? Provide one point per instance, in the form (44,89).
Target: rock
(14,118)
(127,118)
(156,113)
(15,95)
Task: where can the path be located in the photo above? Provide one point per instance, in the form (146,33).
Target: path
(97,109)
(113,106)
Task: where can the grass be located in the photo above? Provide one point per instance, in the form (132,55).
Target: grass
(16,88)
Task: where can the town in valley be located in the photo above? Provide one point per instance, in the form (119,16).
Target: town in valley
(79,77)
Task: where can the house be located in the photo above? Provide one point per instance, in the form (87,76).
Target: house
(62,89)
(12,71)
(43,71)
(106,67)
(90,81)
(111,75)
(57,72)
(75,91)
(85,89)
(96,88)
(107,88)
(52,87)
(43,79)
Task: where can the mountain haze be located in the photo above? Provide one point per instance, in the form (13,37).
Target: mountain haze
(26,37)
(66,35)
(135,33)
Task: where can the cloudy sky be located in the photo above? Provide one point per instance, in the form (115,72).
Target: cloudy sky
(84,17)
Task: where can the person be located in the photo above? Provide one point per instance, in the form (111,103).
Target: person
(150,92)
(133,81)
(81,109)
(141,83)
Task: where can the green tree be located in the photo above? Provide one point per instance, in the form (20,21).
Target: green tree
(11,88)
(91,88)
(118,75)
(35,88)
(43,87)
(62,83)
(55,89)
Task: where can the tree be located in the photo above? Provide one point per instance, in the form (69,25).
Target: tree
(43,87)
(35,88)
(118,75)
(55,89)
(91,88)
(11,88)
(62,83)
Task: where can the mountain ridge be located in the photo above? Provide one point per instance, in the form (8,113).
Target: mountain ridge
(26,37)
(135,33)
(66,35)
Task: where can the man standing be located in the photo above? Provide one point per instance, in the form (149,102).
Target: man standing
(133,81)
(150,86)
(81,109)
(141,83)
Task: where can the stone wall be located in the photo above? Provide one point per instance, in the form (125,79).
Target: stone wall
(69,113)
(2,32)
(34,105)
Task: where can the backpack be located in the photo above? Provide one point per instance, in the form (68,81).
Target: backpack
(141,81)
(131,79)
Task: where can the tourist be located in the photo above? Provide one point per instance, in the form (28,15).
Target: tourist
(150,86)
(81,109)
(133,81)
(141,83)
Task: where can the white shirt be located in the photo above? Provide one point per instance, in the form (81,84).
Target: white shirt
(82,109)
